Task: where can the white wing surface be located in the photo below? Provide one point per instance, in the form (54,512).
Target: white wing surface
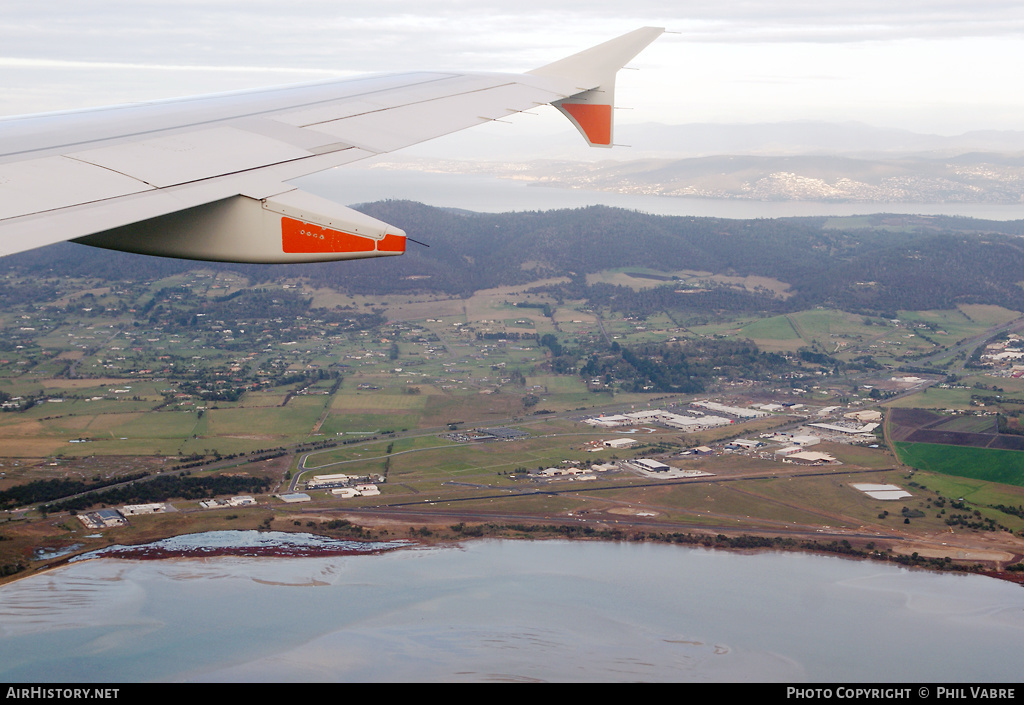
(206,177)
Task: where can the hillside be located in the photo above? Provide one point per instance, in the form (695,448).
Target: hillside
(875,265)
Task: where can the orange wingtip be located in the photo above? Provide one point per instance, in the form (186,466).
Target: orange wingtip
(391,243)
(298,237)
(595,120)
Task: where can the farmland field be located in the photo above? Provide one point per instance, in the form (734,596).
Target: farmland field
(979,431)
(1005,466)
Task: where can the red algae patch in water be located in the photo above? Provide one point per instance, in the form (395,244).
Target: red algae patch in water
(245,543)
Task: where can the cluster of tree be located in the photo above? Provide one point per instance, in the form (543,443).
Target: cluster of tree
(808,355)
(344,527)
(681,368)
(39,491)
(316,445)
(1017,511)
(978,522)
(545,307)
(864,362)
(549,341)
(918,370)
(258,303)
(507,335)
(12,295)
(11,569)
(165,487)
(1011,427)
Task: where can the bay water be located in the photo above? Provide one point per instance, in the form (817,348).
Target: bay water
(501,610)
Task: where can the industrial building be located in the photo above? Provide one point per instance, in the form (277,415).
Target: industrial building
(864,416)
(102,519)
(646,465)
(239,501)
(136,509)
(649,416)
(357,491)
(861,430)
(663,418)
(805,440)
(883,492)
(810,457)
(701,423)
(685,423)
(558,472)
(742,443)
(736,411)
(325,481)
(610,421)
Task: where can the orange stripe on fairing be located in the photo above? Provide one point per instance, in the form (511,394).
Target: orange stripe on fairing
(298,237)
(391,243)
(596,120)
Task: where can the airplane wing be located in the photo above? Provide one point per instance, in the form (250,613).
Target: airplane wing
(206,177)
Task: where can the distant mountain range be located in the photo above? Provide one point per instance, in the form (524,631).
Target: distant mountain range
(967,178)
(656,140)
(801,138)
(809,161)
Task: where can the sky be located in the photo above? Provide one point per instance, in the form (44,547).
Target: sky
(936,66)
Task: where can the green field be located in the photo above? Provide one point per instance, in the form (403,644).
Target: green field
(977,492)
(840,333)
(1005,466)
(336,424)
(774,328)
(935,398)
(968,424)
(948,326)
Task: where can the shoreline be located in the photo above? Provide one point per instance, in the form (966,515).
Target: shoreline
(743,543)
(473,611)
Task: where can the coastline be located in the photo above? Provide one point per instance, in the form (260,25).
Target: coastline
(333,543)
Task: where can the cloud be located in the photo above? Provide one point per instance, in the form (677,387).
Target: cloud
(21,63)
(861,59)
(367,35)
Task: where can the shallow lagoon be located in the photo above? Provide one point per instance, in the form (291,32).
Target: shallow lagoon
(510,611)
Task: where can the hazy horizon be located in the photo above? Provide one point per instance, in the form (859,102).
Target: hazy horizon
(937,67)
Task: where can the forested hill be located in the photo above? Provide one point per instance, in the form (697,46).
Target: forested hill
(907,262)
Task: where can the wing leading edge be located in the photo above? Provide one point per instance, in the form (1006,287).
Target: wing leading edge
(206,178)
